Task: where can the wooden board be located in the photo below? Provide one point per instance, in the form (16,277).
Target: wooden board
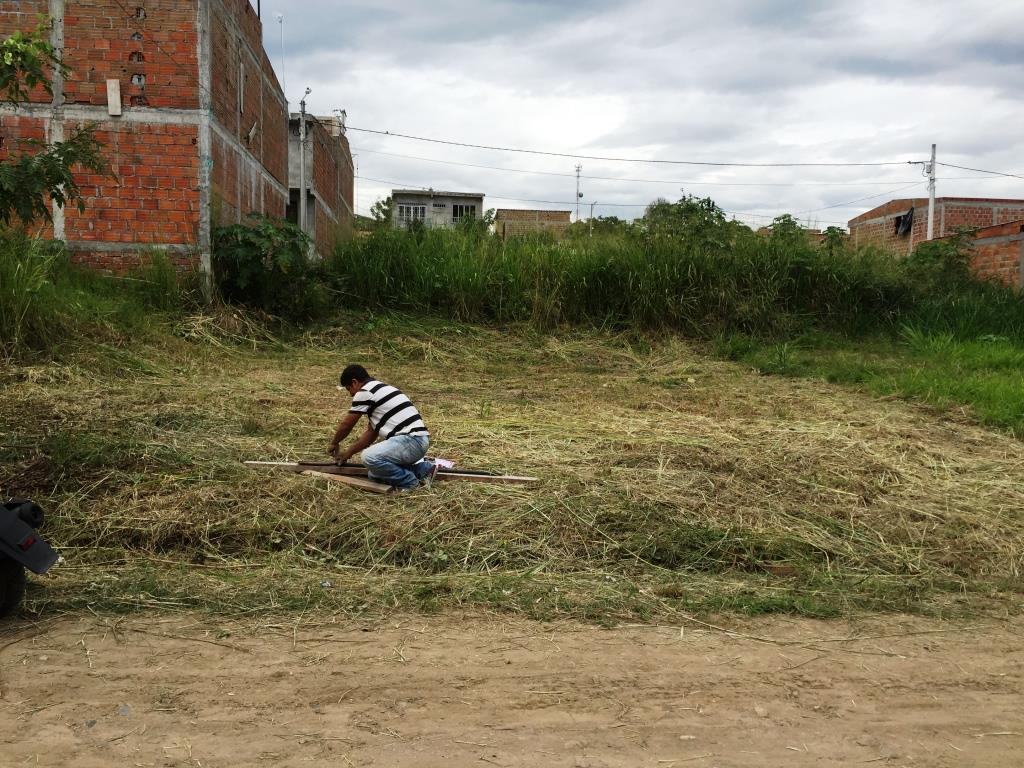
(500,479)
(361,483)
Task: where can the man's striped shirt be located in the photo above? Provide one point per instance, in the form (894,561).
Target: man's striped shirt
(390,412)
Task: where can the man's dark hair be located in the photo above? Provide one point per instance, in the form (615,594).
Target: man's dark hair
(354,373)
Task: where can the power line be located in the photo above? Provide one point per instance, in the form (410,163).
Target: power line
(622,159)
(645,181)
(980,170)
(861,199)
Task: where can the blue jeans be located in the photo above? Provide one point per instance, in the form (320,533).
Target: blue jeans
(396,461)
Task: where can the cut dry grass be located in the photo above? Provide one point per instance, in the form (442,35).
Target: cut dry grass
(671,482)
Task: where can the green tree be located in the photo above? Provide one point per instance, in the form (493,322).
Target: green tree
(28,180)
(787,231)
(602,226)
(697,221)
(382,212)
(834,240)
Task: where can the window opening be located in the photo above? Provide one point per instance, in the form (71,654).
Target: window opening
(407,214)
(460,211)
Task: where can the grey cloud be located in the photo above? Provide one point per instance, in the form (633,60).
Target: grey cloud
(735,79)
(405,30)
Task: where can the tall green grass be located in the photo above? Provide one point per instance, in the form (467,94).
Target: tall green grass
(29,314)
(46,302)
(756,285)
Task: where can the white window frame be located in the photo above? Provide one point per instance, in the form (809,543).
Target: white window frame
(410,213)
(462,209)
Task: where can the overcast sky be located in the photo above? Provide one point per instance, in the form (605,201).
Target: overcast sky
(731,81)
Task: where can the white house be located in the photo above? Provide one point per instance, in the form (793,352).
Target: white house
(437,210)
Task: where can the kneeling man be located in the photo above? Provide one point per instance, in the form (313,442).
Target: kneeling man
(398,458)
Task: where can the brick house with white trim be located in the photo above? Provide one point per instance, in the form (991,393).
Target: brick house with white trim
(192,118)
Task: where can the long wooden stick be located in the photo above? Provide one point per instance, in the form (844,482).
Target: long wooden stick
(440,470)
(358,470)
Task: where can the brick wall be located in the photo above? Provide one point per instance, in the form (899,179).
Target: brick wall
(331,177)
(348,179)
(332,181)
(877,226)
(152,51)
(510,222)
(16,136)
(23,15)
(154,196)
(998,253)
(250,115)
(151,197)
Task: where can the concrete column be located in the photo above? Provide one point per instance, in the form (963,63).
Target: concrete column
(203,25)
(55,125)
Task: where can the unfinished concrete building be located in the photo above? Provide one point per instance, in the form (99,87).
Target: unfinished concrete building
(194,122)
(324,167)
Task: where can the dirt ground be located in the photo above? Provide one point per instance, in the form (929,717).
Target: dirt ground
(450,691)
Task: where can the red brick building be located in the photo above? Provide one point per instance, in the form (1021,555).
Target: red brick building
(901,225)
(330,180)
(997,224)
(184,98)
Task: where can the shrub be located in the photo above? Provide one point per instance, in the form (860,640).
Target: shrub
(265,264)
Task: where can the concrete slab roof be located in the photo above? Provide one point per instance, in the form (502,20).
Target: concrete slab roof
(434,193)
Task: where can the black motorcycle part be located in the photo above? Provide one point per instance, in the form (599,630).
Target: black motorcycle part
(12,586)
(28,511)
(20,542)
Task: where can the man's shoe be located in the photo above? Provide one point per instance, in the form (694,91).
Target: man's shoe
(428,479)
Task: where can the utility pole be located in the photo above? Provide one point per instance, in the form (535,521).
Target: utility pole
(931,195)
(579,194)
(592,204)
(284,83)
(302,161)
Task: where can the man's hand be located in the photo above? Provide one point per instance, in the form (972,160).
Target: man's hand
(342,432)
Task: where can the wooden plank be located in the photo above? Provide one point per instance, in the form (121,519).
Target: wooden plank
(357,471)
(499,479)
(361,483)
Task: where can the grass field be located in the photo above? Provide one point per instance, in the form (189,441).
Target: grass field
(982,377)
(671,482)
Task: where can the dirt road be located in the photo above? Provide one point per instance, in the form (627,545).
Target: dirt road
(447,691)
